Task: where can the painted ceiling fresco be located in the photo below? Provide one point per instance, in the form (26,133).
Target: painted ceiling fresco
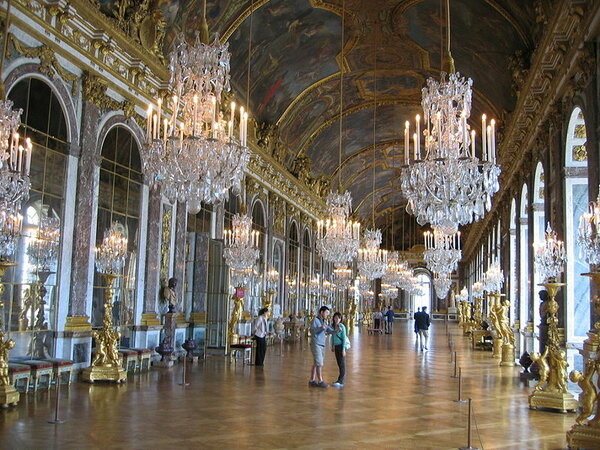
(391,48)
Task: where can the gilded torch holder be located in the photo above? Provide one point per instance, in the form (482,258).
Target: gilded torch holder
(8,394)
(494,309)
(106,365)
(551,390)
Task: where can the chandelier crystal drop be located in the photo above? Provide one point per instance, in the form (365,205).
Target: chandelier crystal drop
(43,249)
(241,243)
(589,233)
(338,237)
(550,256)
(441,284)
(493,279)
(193,151)
(111,254)
(10,229)
(442,251)
(372,261)
(446,184)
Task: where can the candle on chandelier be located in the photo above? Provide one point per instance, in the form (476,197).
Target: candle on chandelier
(407,141)
(149,123)
(418,134)
(159,113)
(415,145)
(241,125)
(483,138)
(472,143)
(13,151)
(493,136)
(489,143)
(28,160)
(154,127)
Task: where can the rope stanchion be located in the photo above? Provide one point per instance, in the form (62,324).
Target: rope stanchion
(469,447)
(459,399)
(183,380)
(56,420)
(455,367)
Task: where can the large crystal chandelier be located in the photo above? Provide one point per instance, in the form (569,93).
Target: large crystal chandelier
(446,183)
(441,284)
(493,279)
(194,151)
(442,251)
(342,277)
(372,261)
(10,229)
(589,233)
(111,254)
(394,272)
(463,296)
(338,237)
(550,256)
(43,249)
(477,289)
(241,243)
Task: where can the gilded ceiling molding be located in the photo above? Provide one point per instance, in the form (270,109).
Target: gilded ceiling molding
(545,84)
(49,65)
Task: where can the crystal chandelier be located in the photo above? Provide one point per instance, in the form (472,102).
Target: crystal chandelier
(394,272)
(241,243)
(493,279)
(314,286)
(441,284)
(342,277)
(43,250)
(338,237)
(10,229)
(388,290)
(463,296)
(110,255)
(442,251)
(448,184)
(372,261)
(243,277)
(414,287)
(550,256)
(272,278)
(195,154)
(477,289)
(588,236)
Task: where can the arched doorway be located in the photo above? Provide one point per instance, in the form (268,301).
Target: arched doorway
(539,225)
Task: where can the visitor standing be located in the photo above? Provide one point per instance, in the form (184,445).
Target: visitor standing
(338,345)
(422,323)
(318,330)
(260,332)
(415,318)
(377,319)
(389,314)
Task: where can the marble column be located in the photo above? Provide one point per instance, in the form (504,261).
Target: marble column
(180,246)
(200,287)
(86,212)
(149,315)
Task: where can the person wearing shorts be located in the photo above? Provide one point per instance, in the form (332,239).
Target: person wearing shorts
(318,330)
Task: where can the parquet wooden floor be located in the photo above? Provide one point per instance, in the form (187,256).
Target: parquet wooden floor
(395,397)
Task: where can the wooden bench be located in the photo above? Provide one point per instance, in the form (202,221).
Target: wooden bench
(128,357)
(144,358)
(241,350)
(18,372)
(60,367)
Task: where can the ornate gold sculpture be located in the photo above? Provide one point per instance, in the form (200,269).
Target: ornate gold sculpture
(106,365)
(8,393)
(350,314)
(460,313)
(551,390)
(267,301)
(586,431)
(236,316)
(507,334)
(495,309)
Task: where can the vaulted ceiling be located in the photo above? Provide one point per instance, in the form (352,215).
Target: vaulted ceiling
(391,48)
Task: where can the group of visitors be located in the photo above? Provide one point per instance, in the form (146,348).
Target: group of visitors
(384,320)
(339,343)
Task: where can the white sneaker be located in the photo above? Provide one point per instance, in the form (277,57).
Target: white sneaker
(337,384)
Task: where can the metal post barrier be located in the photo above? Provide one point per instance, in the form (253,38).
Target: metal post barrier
(183,382)
(468,447)
(56,419)
(459,400)
(455,367)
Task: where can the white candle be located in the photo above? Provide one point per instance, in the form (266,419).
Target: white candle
(418,143)
(20,159)
(472,143)
(483,137)
(29,151)
(493,135)
(159,112)
(415,144)
(489,143)
(407,141)
(241,124)
(154,126)
(149,122)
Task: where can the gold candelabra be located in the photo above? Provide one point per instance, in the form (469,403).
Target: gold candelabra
(585,433)
(551,389)
(495,310)
(8,393)
(106,365)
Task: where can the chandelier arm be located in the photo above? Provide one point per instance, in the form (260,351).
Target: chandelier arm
(204,34)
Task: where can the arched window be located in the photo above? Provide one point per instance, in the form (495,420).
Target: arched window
(513,286)
(576,201)
(424,297)
(539,224)
(31,293)
(306,266)
(524,244)
(119,201)
(292,268)
(258,224)
(278,265)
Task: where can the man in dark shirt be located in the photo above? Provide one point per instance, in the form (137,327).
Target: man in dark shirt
(422,323)
(389,314)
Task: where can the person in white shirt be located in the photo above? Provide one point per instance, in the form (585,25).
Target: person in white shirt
(260,332)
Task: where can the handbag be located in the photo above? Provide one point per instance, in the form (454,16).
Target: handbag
(347,345)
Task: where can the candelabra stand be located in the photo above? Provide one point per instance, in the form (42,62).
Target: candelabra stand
(106,365)
(350,313)
(585,433)
(494,308)
(8,393)
(478,315)
(551,389)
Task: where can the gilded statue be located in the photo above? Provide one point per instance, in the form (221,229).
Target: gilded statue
(589,395)
(236,316)
(543,368)
(5,346)
(267,302)
(506,332)
(350,315)
(495,318)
